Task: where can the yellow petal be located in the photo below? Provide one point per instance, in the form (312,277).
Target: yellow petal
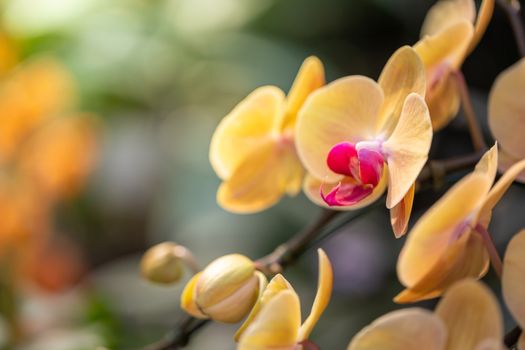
(505,109)
(345,110)
(431,236)
(403,74)
(312,188)
(262,178)
(466,257)
(276,326)
(499,189)
(48,87)
(471,314)
(322,298)
(443,101)
(187,298)
(448,47)
(61,154)
(400,213)
(513,283)
(247,126)
(309,78)
(491,344)
(506,161)
(276,285)
(488,164)
(407,148)
(405,329)
(484,16)
(446,13)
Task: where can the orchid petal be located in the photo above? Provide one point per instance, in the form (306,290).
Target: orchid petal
(277,285)
(187,298)
(370,166)
(403,74)
(400,213)
(465,257)
(346,194)
(435,232)
(344,110)
(405,329)
(488,164)
(340,158)
(513,283)
(322,297)
(490,344)
(506,110)
(276,326)
(446,13)
(471,313)
(244,129)
(443,100)
(448,47)
(407,148)
(261,179)
(309,78)
(313,187)
(484,16)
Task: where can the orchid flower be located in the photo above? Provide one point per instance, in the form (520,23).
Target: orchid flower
(357,137)
(449,34)
(252,149)
(513,283)
(275,321)
(506,117)
(467,317)
(446,244)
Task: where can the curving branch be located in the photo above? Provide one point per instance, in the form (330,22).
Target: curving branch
(512,9)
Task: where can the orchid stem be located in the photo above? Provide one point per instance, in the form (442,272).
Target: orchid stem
(495,259)
(470,115)
(513,10)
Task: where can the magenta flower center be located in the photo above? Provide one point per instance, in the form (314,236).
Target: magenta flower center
(362,169)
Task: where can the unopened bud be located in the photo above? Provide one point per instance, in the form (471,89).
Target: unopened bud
(162,263)
(225,290)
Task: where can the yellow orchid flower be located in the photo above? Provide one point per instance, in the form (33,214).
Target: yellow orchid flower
(275,321)
(446,243)
(506,119)
(513,283)
(467,317)
(448,36)
(252,149)
(357,137)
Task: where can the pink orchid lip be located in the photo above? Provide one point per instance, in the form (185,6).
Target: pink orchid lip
(361,165)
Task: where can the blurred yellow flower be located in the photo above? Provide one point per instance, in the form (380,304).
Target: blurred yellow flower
(275,321)
(448,36)
(446,244)
(225,291)
(357,137)
(506,117)
(513,283)
(252,149)
(467,317)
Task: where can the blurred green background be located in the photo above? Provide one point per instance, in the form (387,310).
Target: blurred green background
(161,74)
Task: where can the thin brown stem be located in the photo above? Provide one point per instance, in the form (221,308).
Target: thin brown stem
(470,115)
(495,259)
(436,170)
(512,9)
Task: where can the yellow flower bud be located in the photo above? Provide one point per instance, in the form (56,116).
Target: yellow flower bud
(162,263)
(225,290)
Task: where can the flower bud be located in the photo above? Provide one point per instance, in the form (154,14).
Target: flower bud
(162,263)
(225,290)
